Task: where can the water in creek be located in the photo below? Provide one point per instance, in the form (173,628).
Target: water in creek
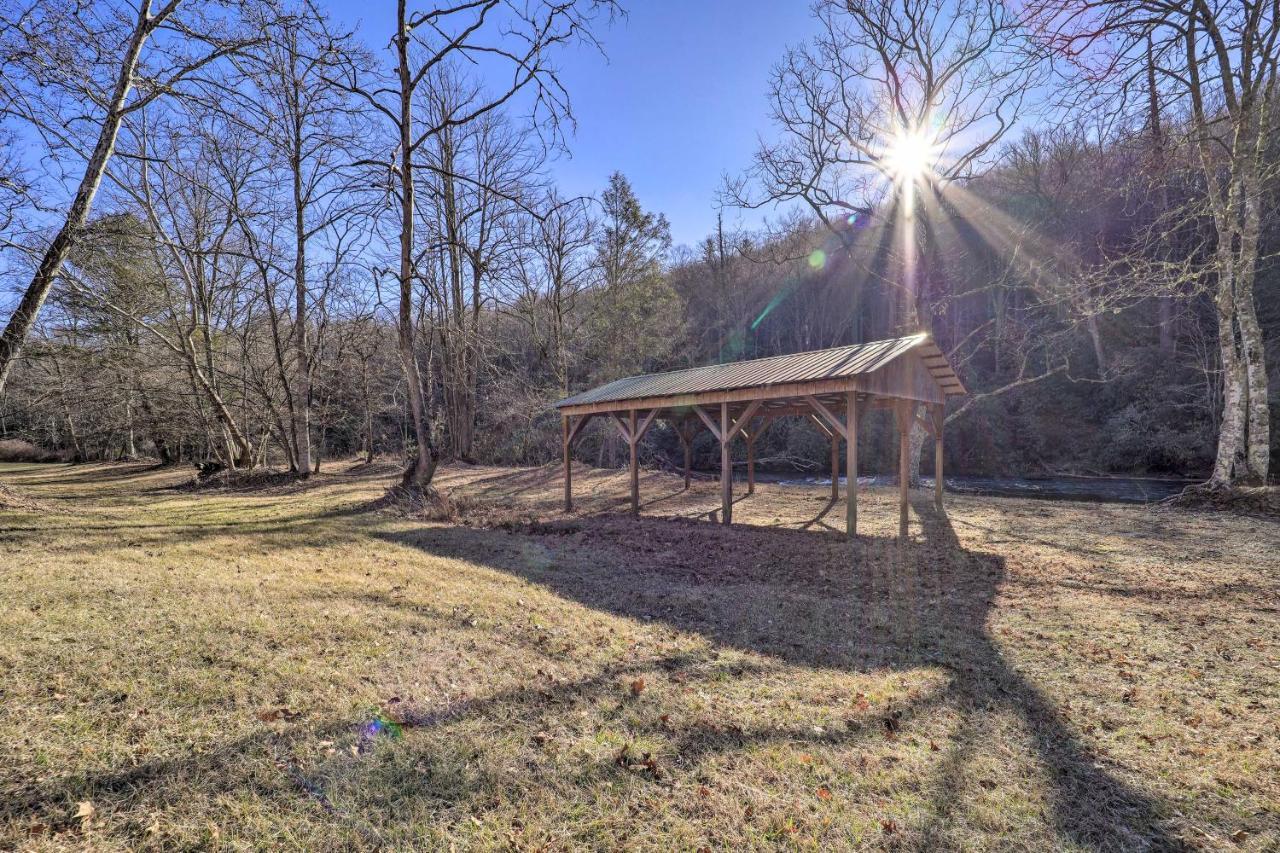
(1112,489)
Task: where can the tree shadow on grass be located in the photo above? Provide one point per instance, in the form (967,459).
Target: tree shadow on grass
(803,598)
(811,599)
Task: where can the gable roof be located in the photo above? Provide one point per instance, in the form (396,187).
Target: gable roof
(834,363)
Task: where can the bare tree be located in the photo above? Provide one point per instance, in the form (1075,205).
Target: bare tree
(520,36)
(553,272)
(1216,62)
(311,128)
(893,106)
(74,71)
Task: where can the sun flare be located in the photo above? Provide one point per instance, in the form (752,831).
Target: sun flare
(908,156)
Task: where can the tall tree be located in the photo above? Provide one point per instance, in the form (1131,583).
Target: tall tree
(638,313)
(1217,61)
(310,128)
(518,35)
(889,109)
(73,72)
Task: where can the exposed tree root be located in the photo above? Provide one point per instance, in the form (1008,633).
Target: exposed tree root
(1246,500)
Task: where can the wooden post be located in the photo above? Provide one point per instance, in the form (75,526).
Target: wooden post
(751,461)
(850,464)
(568,467)
(936,411)
(633,440)
(835,467)
(726,467)
(905,412)
(686,441)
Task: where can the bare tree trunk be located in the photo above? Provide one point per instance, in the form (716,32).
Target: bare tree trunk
(130,446)
(423,466)
(1230,458)
(368,409)
(24,316)
(302,356)
(1258,450)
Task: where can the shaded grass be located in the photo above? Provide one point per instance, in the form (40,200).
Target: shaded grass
(229,669)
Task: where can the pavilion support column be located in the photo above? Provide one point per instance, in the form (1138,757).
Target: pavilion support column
(905,410)
(726,467)
(936,412)
(686,441)
(751,462)
(850,464)
(633,440)
(568,465)
(835,467)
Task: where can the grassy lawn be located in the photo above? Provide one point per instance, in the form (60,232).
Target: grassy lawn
(294,668)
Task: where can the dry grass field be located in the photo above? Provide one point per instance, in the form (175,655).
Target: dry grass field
(297,667)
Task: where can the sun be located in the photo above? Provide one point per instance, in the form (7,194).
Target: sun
(908,156)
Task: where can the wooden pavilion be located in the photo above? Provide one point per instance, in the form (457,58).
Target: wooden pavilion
(832,387)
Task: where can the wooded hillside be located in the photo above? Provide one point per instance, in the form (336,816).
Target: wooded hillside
(300,249)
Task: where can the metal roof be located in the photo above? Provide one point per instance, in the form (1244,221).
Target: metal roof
(760,372)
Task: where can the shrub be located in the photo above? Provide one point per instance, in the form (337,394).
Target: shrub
(18,450)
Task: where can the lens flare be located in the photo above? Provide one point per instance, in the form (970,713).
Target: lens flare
(909,155)
(818,259)
(378,725)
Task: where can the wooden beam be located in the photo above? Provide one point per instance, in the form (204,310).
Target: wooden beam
(726,468)
(936,412)
(622,427)
(567,432)
(821,424)
(706,419)
(905,416)
(835,468)
(851,466)
(832,420)
(633,442)
(686,442)
(751,462)
(576,431)
(741,422)
(644,425)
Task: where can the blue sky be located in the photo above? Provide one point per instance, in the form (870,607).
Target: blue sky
(679,101)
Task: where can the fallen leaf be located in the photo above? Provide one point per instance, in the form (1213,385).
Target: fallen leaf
(84,810)
(637,687)
(889,826)
(824,793)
